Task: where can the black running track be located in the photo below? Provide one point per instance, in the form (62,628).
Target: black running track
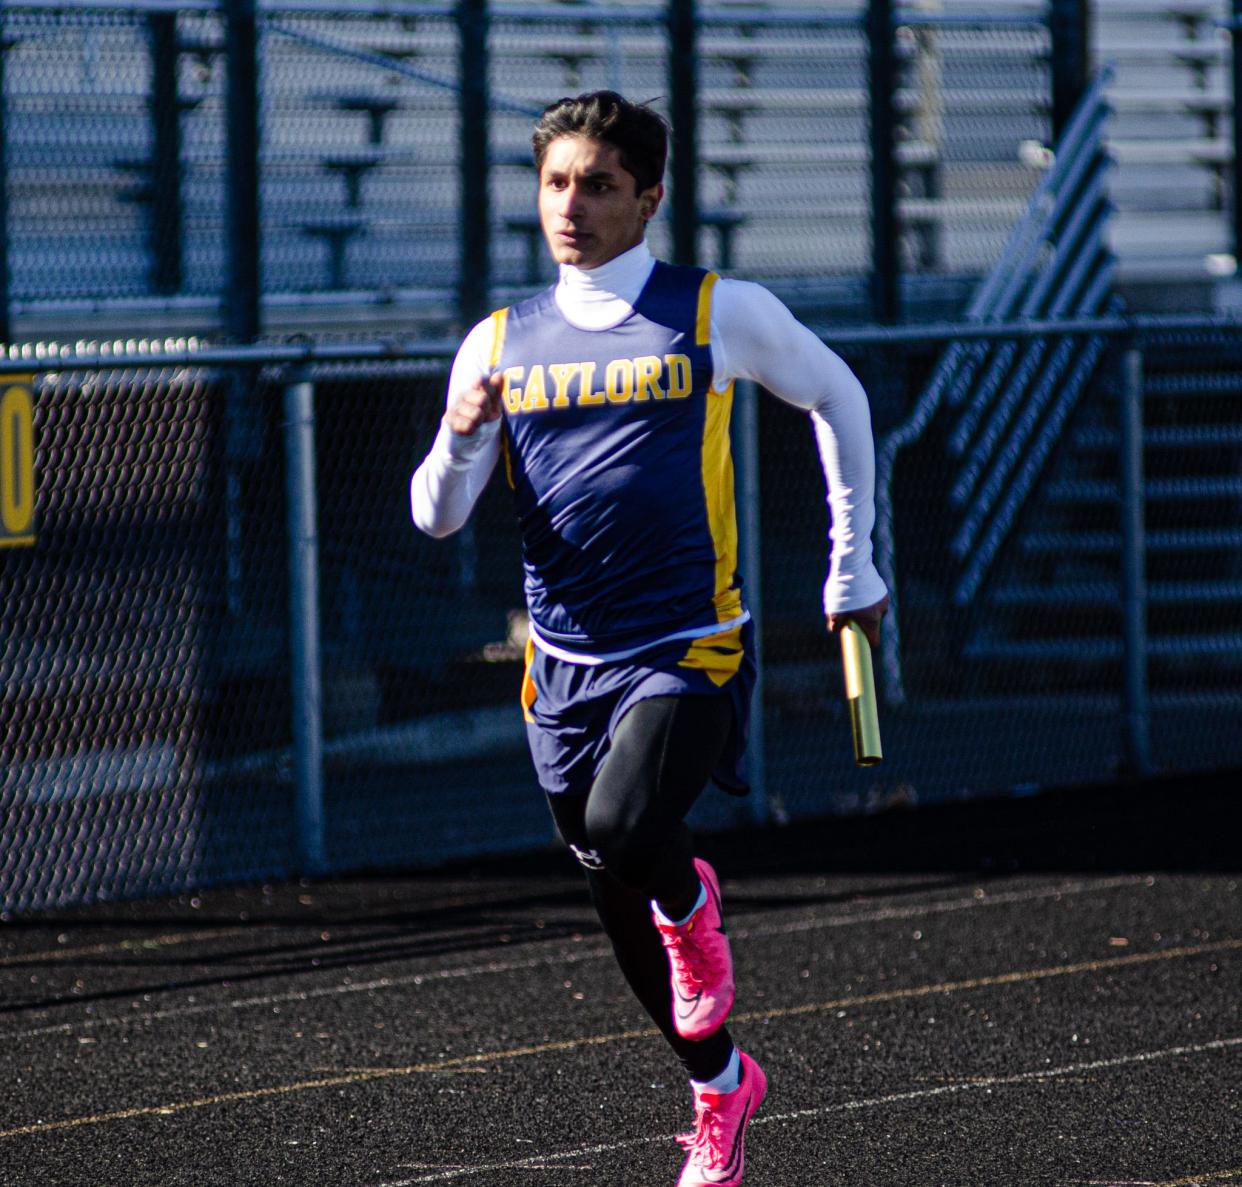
(1042,991)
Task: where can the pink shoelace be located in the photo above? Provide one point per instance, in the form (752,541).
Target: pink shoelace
(683,949)
(706,1144)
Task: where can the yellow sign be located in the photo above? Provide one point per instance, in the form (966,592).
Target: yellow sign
(17,482)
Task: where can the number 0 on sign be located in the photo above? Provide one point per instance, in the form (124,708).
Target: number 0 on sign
(17,483)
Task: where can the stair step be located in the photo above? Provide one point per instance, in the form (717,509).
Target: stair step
(1109,543)
(1216,383)
(1108,648)
(1089,490)
(1164,438)
(1102,593)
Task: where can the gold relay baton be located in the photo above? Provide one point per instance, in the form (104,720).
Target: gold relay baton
(860,695)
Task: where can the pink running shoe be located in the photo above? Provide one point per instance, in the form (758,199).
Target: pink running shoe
(718,1144)
(700,964)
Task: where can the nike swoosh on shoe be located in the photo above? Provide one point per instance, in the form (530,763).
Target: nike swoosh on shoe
(691,1002)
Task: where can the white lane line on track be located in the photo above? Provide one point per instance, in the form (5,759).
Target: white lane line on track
(564,1046)
(490,968)
(973,1084)
(980,898)
(1203,1179)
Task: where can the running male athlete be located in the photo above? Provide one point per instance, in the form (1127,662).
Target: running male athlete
(606,400)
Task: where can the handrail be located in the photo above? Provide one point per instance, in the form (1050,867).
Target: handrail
(1022,243)
(993,485)
(1058,204)
(1021,483)
(1029,230)
(1080,256)
(1082,289)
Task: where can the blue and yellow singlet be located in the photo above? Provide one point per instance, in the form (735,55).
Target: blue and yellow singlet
(617,449)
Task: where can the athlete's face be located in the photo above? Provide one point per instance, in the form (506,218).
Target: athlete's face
(589,206)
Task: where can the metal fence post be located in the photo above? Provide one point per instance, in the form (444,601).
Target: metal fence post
(474,159)
(683,87)
(242,297)
(745,446)
(6,327)
(305,675)
(1068,30)
(882,71)
(1235,76)
(1133,569)
(165,208)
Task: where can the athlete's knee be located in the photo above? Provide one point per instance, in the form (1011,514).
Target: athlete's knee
(641,853)
(621,842)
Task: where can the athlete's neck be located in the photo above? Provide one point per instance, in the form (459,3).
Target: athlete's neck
(600,298)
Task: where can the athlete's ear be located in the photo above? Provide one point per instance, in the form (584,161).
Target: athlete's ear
(649,202)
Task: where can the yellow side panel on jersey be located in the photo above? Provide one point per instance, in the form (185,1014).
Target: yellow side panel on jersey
(703,320)
(505,453)
(717,656)
(529,692)
(721,509)
(500,320)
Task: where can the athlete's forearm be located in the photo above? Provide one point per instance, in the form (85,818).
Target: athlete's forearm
(761,340)
(447,485)
(853,582)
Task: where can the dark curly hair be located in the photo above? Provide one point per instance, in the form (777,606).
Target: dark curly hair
(638,133)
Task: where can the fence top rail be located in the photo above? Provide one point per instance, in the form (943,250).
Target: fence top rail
(39,358)
(705,18)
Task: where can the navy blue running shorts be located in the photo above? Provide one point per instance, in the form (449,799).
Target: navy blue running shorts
(571,710)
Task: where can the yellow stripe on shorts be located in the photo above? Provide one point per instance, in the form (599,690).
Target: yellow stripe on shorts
(719,656)
(529,692)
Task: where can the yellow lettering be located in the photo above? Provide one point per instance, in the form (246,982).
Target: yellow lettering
(535,400)
(563,375)
(510,392)
(648,368)
(16,461)
(585,394)
(679,378)
(619,380)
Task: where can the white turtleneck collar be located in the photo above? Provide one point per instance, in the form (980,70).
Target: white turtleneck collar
(601,298)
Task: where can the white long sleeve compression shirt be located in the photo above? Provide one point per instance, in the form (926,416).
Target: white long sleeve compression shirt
(753,336)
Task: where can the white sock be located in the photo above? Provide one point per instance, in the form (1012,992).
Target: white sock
(728,1081)
(664,919)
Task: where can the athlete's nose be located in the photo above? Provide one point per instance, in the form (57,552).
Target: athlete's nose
(571,202)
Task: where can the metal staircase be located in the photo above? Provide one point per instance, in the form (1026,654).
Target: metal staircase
(1023,440)
(1002,407)
(1050,620)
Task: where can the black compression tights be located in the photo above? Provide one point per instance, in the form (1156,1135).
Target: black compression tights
(632,820)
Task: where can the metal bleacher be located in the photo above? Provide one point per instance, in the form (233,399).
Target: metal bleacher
(359,147)
(359,144)
(1171,137)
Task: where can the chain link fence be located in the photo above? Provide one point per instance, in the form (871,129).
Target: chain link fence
(148,704)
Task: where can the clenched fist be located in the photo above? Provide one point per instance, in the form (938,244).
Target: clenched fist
(477,405)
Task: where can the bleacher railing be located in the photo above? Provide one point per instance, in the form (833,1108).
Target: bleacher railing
(228,655)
